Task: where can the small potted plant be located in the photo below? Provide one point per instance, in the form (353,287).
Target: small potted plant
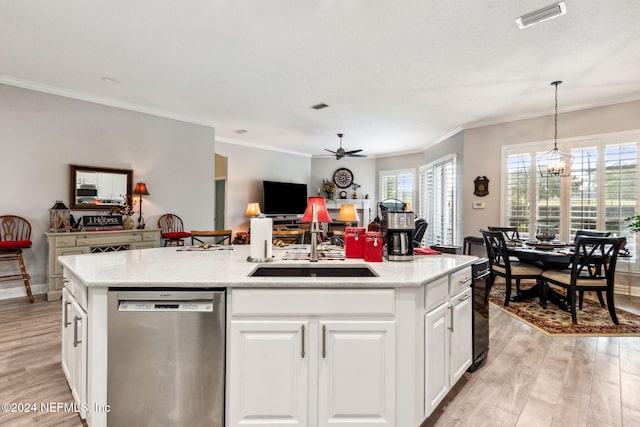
(633,223)
(330,188)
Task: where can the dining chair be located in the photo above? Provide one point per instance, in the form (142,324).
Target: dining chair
(502,266)
(510,233)
(420,225)
(582,276)
(172,230)
(220,237)
(15,235)
(591,233)
(289,236)
(474,245)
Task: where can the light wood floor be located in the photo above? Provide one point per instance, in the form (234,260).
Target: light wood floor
(532,380)
(529,379)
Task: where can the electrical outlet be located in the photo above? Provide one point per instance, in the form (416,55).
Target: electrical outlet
(478,205)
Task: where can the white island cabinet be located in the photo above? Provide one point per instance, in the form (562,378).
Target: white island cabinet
(300,351)
(330,366)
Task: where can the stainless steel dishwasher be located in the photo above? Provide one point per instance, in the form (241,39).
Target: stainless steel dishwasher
(166,357)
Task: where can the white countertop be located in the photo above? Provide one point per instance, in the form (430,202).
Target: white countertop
(160,267)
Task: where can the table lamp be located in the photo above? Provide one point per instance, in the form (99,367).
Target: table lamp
(253,209)
(140,190)
(348,214)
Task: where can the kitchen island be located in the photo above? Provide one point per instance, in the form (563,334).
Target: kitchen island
(381,350)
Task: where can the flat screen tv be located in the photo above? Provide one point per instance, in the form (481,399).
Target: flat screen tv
(283,198)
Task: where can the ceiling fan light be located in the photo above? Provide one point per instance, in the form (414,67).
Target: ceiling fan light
(541,15)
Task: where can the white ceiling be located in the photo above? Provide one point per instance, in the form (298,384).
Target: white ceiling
(399,75)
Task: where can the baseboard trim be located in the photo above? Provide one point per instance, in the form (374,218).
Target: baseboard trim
(20,291)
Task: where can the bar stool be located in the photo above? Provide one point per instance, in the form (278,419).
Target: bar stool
(172,230)
(15,235)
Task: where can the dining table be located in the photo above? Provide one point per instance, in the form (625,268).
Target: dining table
(555,255)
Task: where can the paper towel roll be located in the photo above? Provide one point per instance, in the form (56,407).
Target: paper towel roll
(261,237)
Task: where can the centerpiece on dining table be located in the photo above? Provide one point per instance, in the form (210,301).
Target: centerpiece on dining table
(545,233)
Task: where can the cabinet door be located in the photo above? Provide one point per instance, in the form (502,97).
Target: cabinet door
(436,367)
(67,333)
(461,335)
(357,379)
(269,373)
(79,355)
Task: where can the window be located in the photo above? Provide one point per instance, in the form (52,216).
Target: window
(438,200)
(600,193)
(397,184)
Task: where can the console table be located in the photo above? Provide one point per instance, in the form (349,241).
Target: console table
(87,242)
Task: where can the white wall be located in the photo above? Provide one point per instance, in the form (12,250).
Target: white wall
(483,145)
(41,134)
(247,167)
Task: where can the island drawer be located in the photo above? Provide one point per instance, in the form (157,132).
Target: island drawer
(436,292)
(312,302)
(459,280)
(108,240)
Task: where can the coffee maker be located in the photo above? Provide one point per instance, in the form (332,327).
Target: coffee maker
(399,237)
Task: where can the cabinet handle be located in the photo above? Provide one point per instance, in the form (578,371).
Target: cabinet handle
(324,341)
(76,341)
(302,350)
(466,280)
(66,313)
(464,298)
(451,309)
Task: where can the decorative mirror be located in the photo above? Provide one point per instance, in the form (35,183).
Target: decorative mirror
(98,188)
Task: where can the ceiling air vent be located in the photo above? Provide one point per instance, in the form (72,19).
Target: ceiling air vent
(319,106)
(240,131)
(541,15)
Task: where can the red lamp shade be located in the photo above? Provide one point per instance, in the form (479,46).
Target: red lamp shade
(321,208)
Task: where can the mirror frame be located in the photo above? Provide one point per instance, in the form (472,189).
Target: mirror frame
(73,174)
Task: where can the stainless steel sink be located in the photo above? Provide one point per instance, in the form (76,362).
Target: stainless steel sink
(302,271)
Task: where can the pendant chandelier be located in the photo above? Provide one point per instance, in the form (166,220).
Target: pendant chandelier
(555,162)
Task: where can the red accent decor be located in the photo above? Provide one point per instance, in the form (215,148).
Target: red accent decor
(426,251)
(373,246)
(176,235)
(323,214)
(354,238)
(8,245)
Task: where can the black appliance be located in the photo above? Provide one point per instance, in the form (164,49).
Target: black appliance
(480,274)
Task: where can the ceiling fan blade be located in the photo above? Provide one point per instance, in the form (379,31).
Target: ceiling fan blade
(357,155)
(332,152)
(352,151)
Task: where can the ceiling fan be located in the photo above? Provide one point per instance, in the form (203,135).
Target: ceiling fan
(340,152)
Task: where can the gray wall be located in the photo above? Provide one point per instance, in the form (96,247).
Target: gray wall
(247,167)
(483,149)
(42,134)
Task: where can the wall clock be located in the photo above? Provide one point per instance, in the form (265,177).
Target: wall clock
(343,177)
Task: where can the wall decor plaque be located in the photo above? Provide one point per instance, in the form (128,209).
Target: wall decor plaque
(102,222)
(481,186)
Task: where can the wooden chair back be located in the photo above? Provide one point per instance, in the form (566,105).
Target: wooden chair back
(14,228)
(510,233)
(220,237)
(474,245)
(496,249)
(15,235)
(289,236)
(170,223)
(594,260)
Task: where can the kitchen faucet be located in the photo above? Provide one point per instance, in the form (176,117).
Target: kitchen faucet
(315,229)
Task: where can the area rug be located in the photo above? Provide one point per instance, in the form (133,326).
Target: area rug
(593,319)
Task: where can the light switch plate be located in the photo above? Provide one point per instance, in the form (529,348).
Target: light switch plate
(478,205)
